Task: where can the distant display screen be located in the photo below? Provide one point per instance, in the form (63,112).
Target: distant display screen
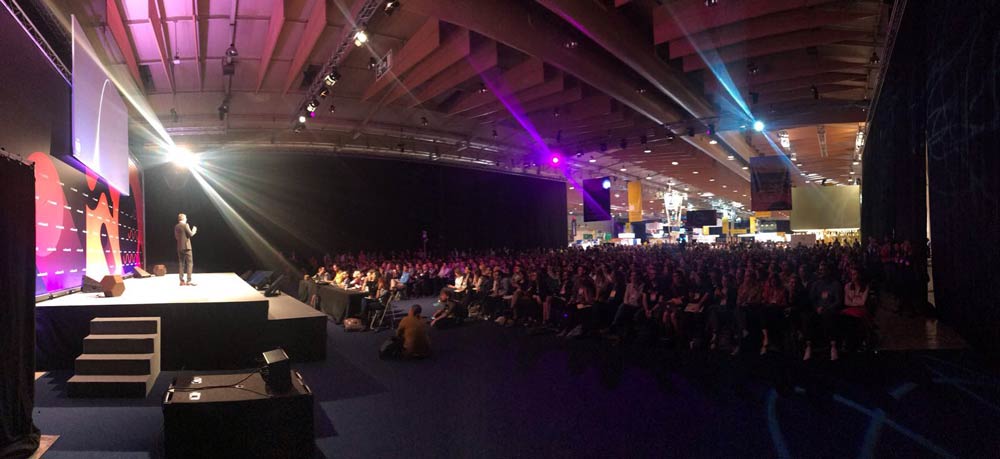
(100,119)
(597,199)
(699,218)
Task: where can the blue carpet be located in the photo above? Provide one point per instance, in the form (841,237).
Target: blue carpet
(490,391)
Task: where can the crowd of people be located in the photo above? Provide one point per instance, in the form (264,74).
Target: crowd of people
(734,297)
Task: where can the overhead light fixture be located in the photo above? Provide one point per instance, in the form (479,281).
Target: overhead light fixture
(592,160)
(606,184)
(333,108)
(859,140)
(182,157)
(674,163)
(874,60)
(360,37)
(752,68)
(231,51)
(745,167)
(482,89)
(223,110)
(695,172)
(312,105)
(622,169)
(391,6)
(784,141)
(302,119)
(571,44)
(649,177)
(731,158)
(758,125)
(423,121)
(713,142)
(372,63)
(572,187)
(711,180)
(332,78)
(323,93)
(177,59)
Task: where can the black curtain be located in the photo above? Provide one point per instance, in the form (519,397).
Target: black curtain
(941,98)
(18,435)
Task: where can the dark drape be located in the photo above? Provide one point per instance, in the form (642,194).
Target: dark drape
(894,180)
(941,97)
(18,435)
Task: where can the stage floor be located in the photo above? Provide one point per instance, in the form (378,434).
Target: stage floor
(211,288)
(221,323)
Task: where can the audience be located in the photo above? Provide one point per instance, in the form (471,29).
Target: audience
(689,296)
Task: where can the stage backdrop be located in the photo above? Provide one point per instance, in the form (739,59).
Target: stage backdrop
(314,204)
(83,226)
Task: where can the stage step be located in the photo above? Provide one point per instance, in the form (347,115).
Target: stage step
(124,325)
(110,386)
(121,358)
(114,364)
(120,344)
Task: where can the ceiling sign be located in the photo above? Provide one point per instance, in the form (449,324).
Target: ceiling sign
(383,65)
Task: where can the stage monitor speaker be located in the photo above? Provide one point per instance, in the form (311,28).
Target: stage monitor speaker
(112,285)
(246,274)
(274,288)
(140,273)
(277,371)
(233,415)
(159,270)
(90,285)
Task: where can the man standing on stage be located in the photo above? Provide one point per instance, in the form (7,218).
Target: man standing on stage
(185,260)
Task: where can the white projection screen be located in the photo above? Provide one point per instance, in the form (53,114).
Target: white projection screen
(100,120)
(826,207)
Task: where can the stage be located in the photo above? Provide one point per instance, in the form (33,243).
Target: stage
(221,323)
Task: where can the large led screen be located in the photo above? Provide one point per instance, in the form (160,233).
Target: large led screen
(826,207)
(100,120)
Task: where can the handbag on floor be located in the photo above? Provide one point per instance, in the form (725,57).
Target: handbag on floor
(392,348)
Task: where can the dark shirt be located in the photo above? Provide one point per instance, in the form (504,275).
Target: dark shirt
(183,235)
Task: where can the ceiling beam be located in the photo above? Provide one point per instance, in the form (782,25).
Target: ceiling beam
(555,83)
(455,47)
(483,59)
(785,66)
(522,76)
(556,100)
(687,17)
(274,25)
(196,29)
(519,27)
(314,28)
(155,8)
(772,45)
(418,47)
(765,26)
(613,32)
(120,33)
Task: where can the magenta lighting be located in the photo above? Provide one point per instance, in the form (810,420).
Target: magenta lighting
(555,160)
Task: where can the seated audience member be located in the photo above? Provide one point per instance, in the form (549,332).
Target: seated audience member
(826,297)
(342,278)
(631,302)
(449,313)
(413,331)
(723,313)
(460,284)
(321,275)
(773,310)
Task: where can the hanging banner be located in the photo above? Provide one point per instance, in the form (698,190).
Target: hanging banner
(770,184)
(634,202)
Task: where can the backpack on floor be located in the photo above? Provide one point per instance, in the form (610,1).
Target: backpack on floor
(392,348)
(353,324)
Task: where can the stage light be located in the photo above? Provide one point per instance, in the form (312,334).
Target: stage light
(758,125)
(183,157)
(482,89)
(555,160)
(713,142)
(323,93)
(231,51)
(332,78)
(784,140)
(606,184)
(874,60)
(745,167)
(622,169)
(223,111)
(731,158)
(695,172)
(711,129)
(333,108)
(571,44)
(391,6)
(360,37)
(177,59)
(674,163)
(423,121)
(752,68)
(592,160)
(312,105)
(579,153)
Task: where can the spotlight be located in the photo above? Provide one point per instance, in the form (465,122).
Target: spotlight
(223,111)
(606,184)
(785,142)
(231,51)
(312,105)
(711,2)
(670,137)
(758,125)
(323,93)
(423,121)
(482,89)
(302,119)
(579,153)
(332,78)
(591,160)
(372,63)
(555,160)
(713,142)
(752,68)
(360,37)
(711,129)
(177,59)
(674,163)
(874,60)
(571,44)
(182,157)
(623,169)
(333,108)
(391,6)
(815,91)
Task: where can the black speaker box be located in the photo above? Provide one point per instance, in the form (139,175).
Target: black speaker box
(276,371)
(234,415)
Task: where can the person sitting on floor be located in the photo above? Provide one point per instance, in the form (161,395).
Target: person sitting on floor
(450,311)
(413,331)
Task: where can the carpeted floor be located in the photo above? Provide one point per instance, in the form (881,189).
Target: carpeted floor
(490,391)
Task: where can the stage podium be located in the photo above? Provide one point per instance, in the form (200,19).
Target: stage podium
(234,415)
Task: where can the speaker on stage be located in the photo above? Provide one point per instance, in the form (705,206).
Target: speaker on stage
(140,273)
(90,285)
(112,285)
(159,270)
(277,371)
